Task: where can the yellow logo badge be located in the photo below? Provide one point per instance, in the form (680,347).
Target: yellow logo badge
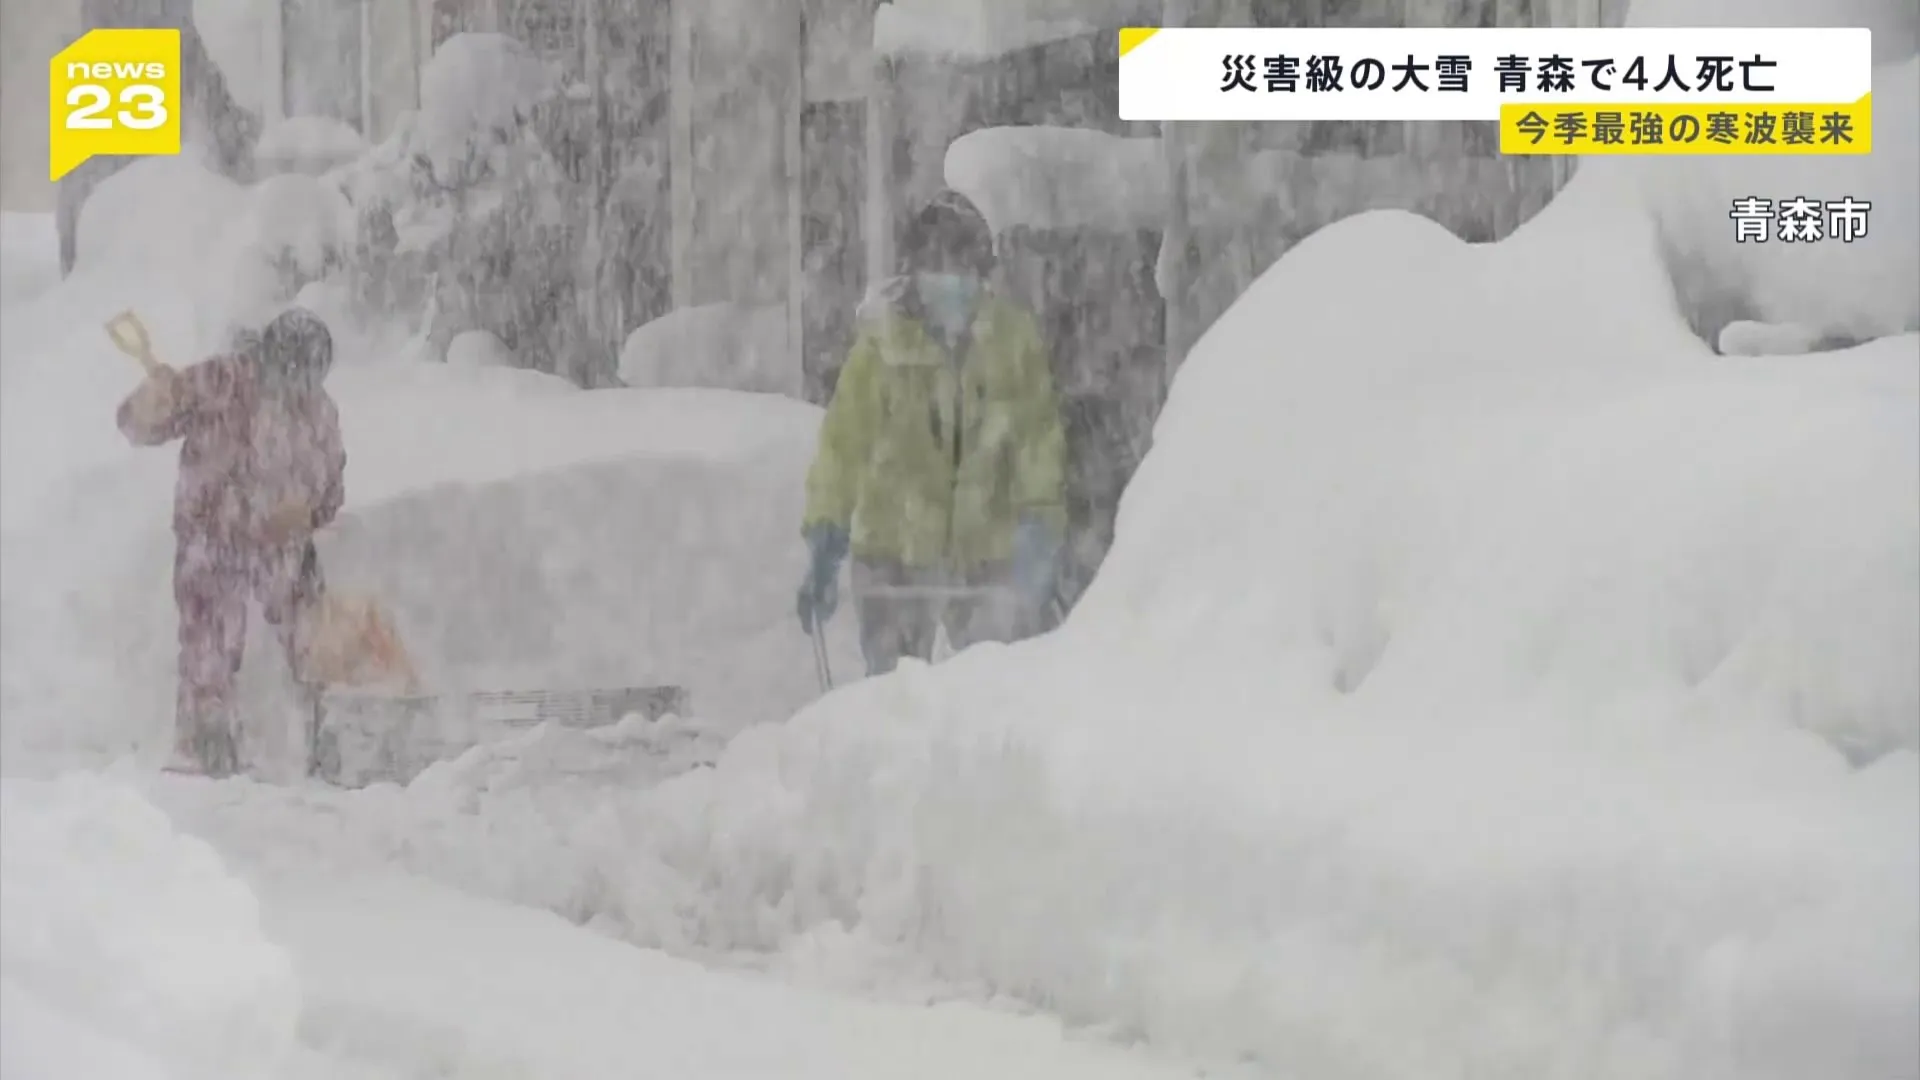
(114,92)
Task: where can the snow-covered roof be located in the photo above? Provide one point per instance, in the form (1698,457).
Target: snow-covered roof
(1055,177)
(982,29)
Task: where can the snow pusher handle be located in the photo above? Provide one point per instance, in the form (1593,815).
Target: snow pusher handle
(129,335)
(939,592)
(822,670)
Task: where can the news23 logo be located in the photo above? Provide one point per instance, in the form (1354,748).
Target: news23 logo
(113,92)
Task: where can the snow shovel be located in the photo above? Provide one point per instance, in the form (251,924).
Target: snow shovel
(347,641)
(1055,608)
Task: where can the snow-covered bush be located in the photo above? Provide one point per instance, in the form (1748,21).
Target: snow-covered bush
(300,223)
(247,250)
(126,944)
(149,216)
(464,218)
(722,346)
(475,86)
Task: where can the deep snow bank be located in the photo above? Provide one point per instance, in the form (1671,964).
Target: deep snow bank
(128,949)
(1452,704)
(724,346)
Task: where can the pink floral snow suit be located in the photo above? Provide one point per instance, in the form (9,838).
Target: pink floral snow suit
(244,455)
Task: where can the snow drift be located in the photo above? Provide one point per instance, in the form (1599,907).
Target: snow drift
(723,346)
(128,949)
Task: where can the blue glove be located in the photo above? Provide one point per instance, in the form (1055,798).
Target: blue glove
(820,591)
(1036,550)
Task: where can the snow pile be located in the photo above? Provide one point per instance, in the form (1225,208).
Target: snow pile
(128,950)
(1055,178)
(146,217)
(724,346)
(976,30)
(1862,290)
(631,755)
(479,349)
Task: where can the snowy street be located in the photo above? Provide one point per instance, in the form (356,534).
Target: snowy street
(398,978)
(412,980)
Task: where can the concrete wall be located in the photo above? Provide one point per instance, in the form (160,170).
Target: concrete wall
(31,31)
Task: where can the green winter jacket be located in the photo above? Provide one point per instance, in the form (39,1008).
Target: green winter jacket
(929,460)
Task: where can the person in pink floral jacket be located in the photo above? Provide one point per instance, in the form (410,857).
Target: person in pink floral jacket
(262,467)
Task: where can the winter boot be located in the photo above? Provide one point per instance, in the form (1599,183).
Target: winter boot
(207,749)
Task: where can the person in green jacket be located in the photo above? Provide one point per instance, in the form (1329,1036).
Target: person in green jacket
(942,459)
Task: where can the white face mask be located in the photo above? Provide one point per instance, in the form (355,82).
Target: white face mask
(948,299)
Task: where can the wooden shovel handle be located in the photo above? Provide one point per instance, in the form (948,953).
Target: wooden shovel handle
(129,334)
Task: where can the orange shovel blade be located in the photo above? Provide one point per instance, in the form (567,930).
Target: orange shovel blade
(352,642)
